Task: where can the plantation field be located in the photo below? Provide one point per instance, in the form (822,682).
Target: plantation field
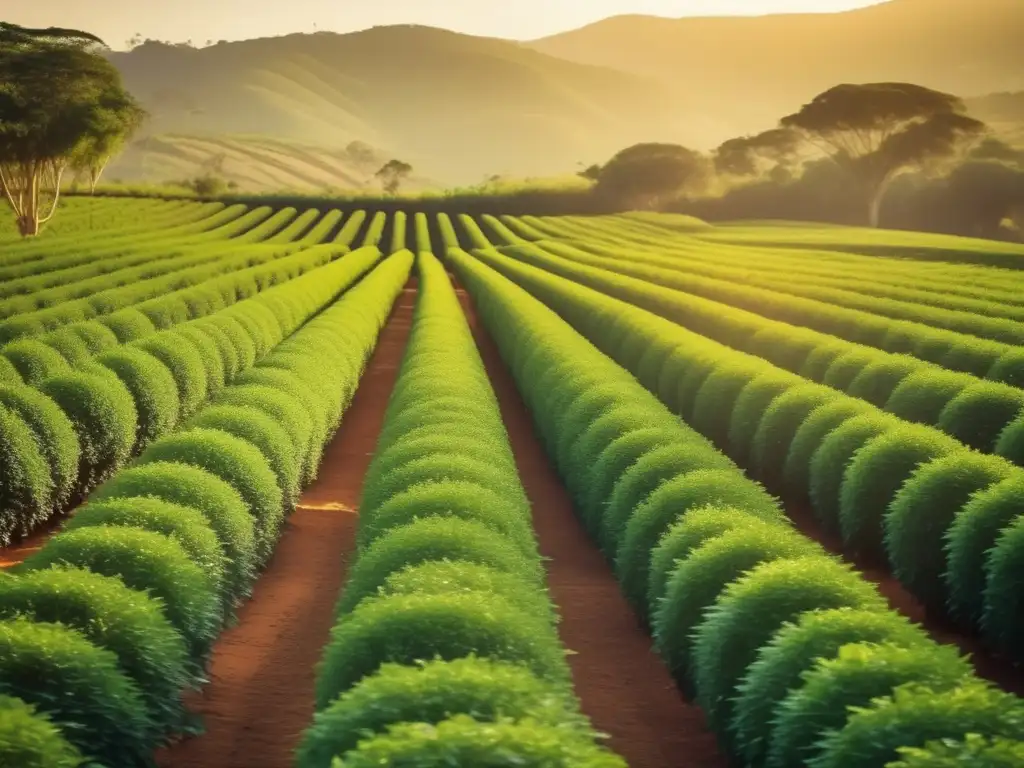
(338,488)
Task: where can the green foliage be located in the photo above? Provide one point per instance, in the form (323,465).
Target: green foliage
(285,409)
(667,504)
(809,436)
(793,651)
(145,561)
(254,426)
(874,476)
(429,693)
(923,511)
(752,609)
(980,413)
(830,461)
(754,401)
(462,740)
(1011,442)
(238,463)
(858,674)
(79,686)
(128,325)
(405,629)
(779,426)
(975,750)
(699,580)
(914,716)
(152,387)
(26,486)
(645,175)
(432,538)
(104,417)
(186,366)
(30,740)
(922,396)
(1003,620)
(34,361)
(877,382)
(127,622)
(182,524)
(187,486)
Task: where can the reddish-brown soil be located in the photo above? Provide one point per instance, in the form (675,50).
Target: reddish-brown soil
(622,685)
(260,698)
(997,670)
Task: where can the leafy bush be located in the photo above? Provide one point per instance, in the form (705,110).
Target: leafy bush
(148,562)
(875,475)
(30,740)
(152,388)
(55,435)
(717,398)
(1010,444)
(69,345)
(914,716)
(127,622)
(184,525)
(188,486)
(794,650)
(879,380)
(404,629)
(821,422)
(699,580)
(1008,369)
(450,499)
(280,406)
(922,396)
(462,740)
(429,693)
(854,678)
(643,478)
(830,461)
(755,399)
(104,418)
(437,577)
(980,413)
(845,369)
(236,462)
(753,608)
(975,750)
(26,487)
(128,325)
(433,539)
(185,365)
(667,504)
(779,425)
(8,373)
(924,509)
(209,352)
(1003,619)
(34,361)
(80,688)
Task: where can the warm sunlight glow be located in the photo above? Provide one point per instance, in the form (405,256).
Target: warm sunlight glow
(201,20)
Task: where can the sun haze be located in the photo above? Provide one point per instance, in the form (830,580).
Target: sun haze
(202,20)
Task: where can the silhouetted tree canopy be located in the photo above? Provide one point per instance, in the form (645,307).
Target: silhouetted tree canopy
(746,155)
(875,131)
(647,175)
(392,174)
(61,105)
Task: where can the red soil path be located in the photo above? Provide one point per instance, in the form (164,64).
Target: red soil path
(622,685)
(260,698)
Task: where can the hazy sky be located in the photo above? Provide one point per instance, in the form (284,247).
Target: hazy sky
(177,20)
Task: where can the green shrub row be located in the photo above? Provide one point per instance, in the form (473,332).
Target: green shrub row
(99,258)
(79,424)
(914,284)
(842,356)
(775,639)
(103,628)
(445,651)
(896,492)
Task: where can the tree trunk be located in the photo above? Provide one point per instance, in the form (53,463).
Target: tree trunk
(28,226)
(877,196)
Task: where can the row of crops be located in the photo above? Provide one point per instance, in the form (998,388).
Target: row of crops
(179,367)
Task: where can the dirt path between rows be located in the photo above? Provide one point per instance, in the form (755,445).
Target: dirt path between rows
(622,685)
(1000,671)
(260,698)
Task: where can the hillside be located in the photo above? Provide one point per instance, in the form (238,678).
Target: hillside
(455,106)
(742,73)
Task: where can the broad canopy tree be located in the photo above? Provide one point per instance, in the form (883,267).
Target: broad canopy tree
(647,175)
(873,131)
(392,174)
(62,106)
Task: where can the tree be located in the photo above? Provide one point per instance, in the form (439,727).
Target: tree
(748,155)
(647,175)
(61,104)
(392,174)
(116,119)
(877,130)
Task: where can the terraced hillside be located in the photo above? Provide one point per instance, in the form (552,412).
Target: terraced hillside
(341,488)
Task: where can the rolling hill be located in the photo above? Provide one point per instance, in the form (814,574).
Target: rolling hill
(457,107)
(742,73)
